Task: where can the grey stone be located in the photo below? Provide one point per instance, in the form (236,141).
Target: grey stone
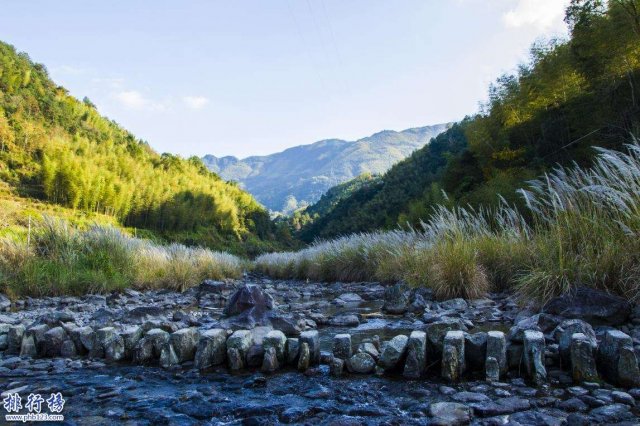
(185,343)
(336,367)
(497,349)
(361,363)
(458,304)
(28,347)
(38,333)
(68,349)
(111,343)
(618,360)
(242,341)
(453,358)
(5,303)
(416,355)
(593,306)
(84,338)
(492,369)
(347,320)
(304,357)
(130,336)
(143,351)
(212,348)
(369,348)
(475,350)
(564,336)
(394,352)
(449,414)
(168,356)
(342,346)
(293,348)
(53,339)
(14,339)
(312,339)
(277,340)
(4,342)
(583,363)
(348,298)
(396,299)
(270,360)
(534,356)
(235,358)
(158,338)
(255,355)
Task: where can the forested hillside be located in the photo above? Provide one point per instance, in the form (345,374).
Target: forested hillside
(571,96)
(60,150)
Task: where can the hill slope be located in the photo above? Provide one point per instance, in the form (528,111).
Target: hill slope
(60,150)
(572,96)
(300,175)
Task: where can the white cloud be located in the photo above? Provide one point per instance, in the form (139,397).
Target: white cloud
(541,14)
(195,102)
(133,99)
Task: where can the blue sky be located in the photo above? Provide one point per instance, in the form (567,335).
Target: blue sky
(254,77)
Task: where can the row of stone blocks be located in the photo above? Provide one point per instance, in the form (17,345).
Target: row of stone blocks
(615,355)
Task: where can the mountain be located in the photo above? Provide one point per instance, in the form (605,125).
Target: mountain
(60,150)
(572,96)
(300,175)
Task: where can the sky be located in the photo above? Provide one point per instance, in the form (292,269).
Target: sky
(255,77)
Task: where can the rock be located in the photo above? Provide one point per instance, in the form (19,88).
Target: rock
(348,298)
(235,358)
(564,335)
(501,406)
(514,356)
(38,332)
(612,413)
(55,319)
(336,367)
(292,348)
(130,336)
(248,297)
(349,320)
(369,348)
(143,313)
(240,340)
(158,339)
(492,369)
(593,306)
(53,339)
(582,359)
(143,351)
(455,304)
(83,338)
(416,355)
(288,324)
(534,356)
(312,339)
(68,349)
(277,340)
(110,344)
(14,339)
(497,349)
(28,347)
(470,397)
(393,354)
(185,343)
(449,414)
(270,360)
(168,356)
(212,348)
(438,329)
(453,357)
(304,357)
(396,300)
(618,360)
(539,322)
(475,350)
(361,363)
(342,346)
(5,303)
(211,287)
(4,343)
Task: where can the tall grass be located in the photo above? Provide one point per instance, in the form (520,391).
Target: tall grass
(62,260)
(583,230)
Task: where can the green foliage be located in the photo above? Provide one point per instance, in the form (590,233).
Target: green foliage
(56,148)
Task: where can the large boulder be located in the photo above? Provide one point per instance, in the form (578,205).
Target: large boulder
(212,348)
(564,336)
(593,306)
(248,307)
(449,413)
(361,363)
(438,329)
(394,352)
(184,343)
(396,299)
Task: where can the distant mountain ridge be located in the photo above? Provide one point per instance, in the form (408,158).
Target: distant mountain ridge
(300,175)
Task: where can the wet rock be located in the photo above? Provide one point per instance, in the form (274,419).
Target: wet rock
(475,350)
(143,313)
(14,339)
(28,347)
(514,356)
(130,336)
(304,357)
(394,352)
(38,333)
(277,340)
(453,357)
(292,348)
(534,356)
(55,319)
(396,299)
(613,413)
(438,329)
(492,369)
(270,361)
(158,339)
(347,299)
(185,343)
(212,348)
(336,367)
(240,340)
(168,356)
(288,324)
(110,343)
(5,303)
(455,304)
(4,331)
(361,363)
(618,360)
(235,358)
(68,349)
(53,339)
(449,413)
(369,348)
(540,322)
(342,346)
(564,335)
(593,306)
(501,406)
(312,339)
(583,363)
(249,298)
(416,355)
(348,320)
(497,348)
